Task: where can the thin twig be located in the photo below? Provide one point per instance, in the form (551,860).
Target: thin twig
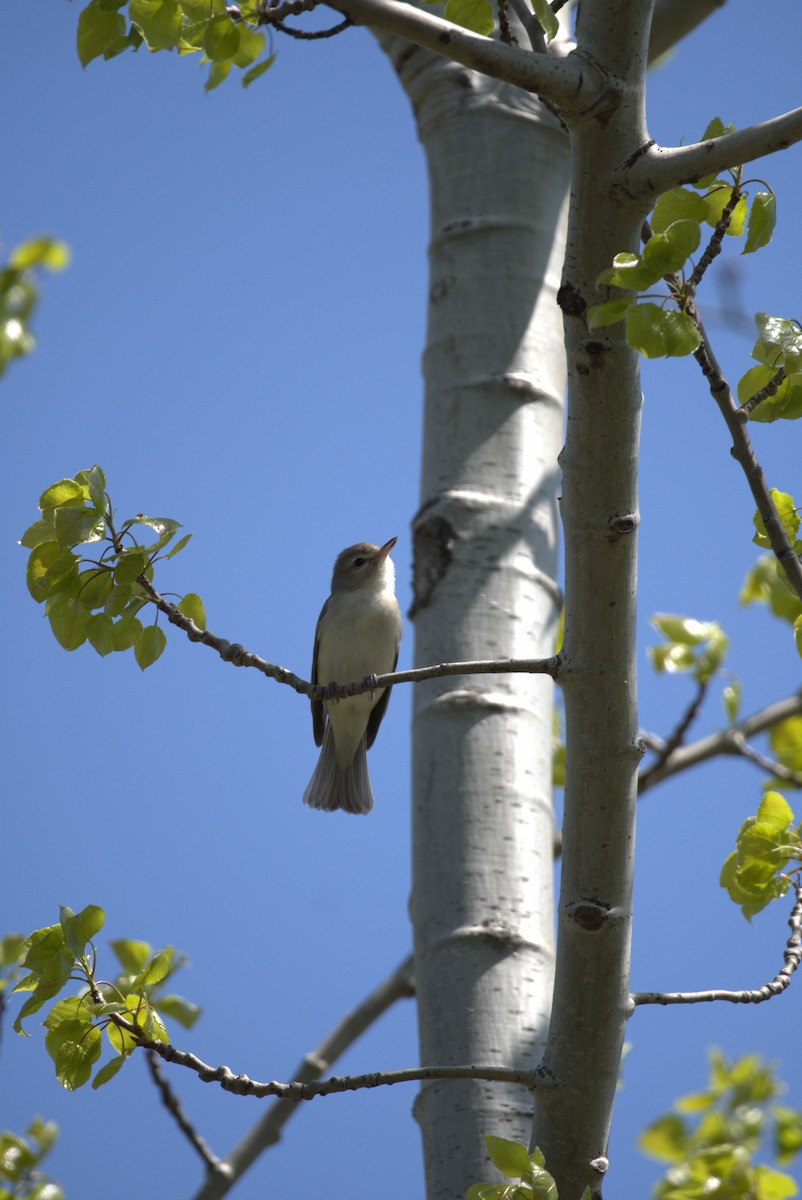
(743,452)
(534,31)
(234,653)
(713,248)
(792,957)
(175,1108)
(676,739)
(267,1130)
(777,769)
(771,389)
(726,741)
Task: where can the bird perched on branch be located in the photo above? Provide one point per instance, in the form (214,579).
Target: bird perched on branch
(358,633)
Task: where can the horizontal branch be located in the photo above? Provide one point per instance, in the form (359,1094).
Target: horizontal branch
(792,957)
(560,80)
(267,1130)
(297,1090)
(663,167)
(726,741)
(233,652)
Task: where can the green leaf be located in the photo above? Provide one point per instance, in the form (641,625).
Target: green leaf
(109,1070)
(731,699)
(221,39)
(754,381)
(122,1041)
(218,72)
(99,633)
(716,128)
(251,45)
(43,251)
(179,546)
(247,79)
(130,565)
(775,812)
(798,635)
(118,598)
(779,343)
(686,630)
(785,404)
(74,1046)
(667,252)
(658,333)
(786,511)
(126,632)
(600,315)
(716,200)
(94,587)
(149,646)
(545,15)
(63,492)
(665,1139)
(628,271)
(679,204)
(511,1158)
(180,1009)
(154,971)
(159,22)
(40,560)
(77,525)
(81,928)
(68,620)
(97,30)
(131,955)
(192,606)
(61,574)
(476,15)
(762,219)
(42,530)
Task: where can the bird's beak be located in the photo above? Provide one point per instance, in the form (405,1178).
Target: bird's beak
(385,550)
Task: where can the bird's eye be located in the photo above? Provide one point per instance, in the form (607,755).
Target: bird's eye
(359,562)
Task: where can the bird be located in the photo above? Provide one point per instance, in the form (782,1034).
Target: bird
(358,633)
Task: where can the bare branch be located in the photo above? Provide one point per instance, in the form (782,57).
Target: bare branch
(792,957)
(537,39)
(267,1131)
(234,653)
(727,741)
(561,80)
(242,1085)
(675,739)
(176,1110)
(674,19)
(660,168)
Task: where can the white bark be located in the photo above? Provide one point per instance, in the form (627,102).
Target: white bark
(485,561)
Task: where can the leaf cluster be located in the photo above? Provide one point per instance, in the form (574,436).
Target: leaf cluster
(223,35)
(19,293)
(99,599)
(753,875)
(711,1137)
(20,1158)
(514,1160)
(766,582)
(699,647)
(676,225)
(127,1010)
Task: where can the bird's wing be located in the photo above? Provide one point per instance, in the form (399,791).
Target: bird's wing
(378,711)
(318,711)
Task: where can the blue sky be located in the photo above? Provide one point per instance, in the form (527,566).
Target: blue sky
(237,342)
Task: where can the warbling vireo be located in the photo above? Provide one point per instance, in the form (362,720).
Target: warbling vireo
(357,634)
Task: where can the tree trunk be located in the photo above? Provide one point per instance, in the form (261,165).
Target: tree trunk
(485,541)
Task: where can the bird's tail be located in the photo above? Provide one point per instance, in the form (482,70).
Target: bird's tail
(333,787)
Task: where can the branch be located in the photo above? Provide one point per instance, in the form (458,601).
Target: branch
(267,1131)
(660,168)
(234,653)
(674,19)
(792,957)
(727,741)
(175,1108)
(675,739)
(297,1090)
(561,80)
(742,451)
